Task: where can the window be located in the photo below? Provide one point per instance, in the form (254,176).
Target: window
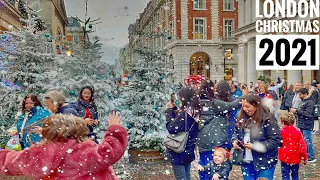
(199,28)
(228,27)
(228,5)
(76,38)
(199,4)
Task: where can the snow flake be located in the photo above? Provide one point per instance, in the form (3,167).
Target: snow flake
(69,151)
(45,168)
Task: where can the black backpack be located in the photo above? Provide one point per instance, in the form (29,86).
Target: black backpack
(273,94)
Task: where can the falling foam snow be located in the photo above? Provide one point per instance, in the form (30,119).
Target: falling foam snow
(45,168)
(69,151)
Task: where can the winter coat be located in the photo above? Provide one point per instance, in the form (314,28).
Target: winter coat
(315,96)
(223,169)
(176,124)
(81,109)
(237,93)
(288,97)
(305,114)
(266,135)
(68,160)
(70,108)
(293,146)
(232,115)
(36,114)
(215,130)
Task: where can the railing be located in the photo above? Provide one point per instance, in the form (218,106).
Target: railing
(228,39)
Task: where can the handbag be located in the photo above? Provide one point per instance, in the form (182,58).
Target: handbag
(177,142)
(237,157)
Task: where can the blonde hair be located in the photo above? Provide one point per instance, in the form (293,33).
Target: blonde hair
(60,128)
(56,97)
(287,118)
(223,151)
(265,86)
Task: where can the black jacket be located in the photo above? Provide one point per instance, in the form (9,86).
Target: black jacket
(305,114)
(223,169)
(176,124)
(266,133)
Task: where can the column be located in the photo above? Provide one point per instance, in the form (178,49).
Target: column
(294,76)
(241,63)
(241,13)
(307,76)
(251,63)
(184,19)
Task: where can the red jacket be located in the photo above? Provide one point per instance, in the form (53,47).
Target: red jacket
(69,160)
(294,148)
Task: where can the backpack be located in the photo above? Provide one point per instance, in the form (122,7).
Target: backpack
(273,94)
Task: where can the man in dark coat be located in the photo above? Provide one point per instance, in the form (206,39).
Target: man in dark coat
(305,121)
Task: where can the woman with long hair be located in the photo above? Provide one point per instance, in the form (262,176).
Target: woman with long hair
(215,106)
(176,119)
(32,112)
(258,134)
(87,109)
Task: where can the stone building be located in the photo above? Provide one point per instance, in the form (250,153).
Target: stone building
(199,35)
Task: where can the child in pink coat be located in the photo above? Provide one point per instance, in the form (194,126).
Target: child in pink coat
(66,153)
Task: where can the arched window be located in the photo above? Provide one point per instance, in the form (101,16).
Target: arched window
(200,64)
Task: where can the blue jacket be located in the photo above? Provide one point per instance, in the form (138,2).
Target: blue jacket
(69,109)
(176,124)
(237,94)
(36,114)
(267,133)
(305,114)
(81,109)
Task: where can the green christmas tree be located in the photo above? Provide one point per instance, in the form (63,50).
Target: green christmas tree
(145,98)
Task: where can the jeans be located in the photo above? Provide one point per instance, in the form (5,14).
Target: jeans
(205,157)
(181,172)
(286,168)
(308,138)
(249,173)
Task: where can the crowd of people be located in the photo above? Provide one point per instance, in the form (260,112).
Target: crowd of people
(229,123)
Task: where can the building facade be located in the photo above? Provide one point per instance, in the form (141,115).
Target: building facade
(75,32)
(10,15)
(53,14)
(246,49)
(199,35)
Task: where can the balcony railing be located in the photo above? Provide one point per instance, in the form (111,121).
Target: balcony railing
(228,39)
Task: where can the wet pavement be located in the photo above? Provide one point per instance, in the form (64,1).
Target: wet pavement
(163,171)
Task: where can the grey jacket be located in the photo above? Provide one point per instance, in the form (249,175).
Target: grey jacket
(288,97)
(215,130)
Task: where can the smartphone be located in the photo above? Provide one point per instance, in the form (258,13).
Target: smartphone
(240,144)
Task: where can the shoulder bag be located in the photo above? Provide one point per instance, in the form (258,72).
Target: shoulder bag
(177,142)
